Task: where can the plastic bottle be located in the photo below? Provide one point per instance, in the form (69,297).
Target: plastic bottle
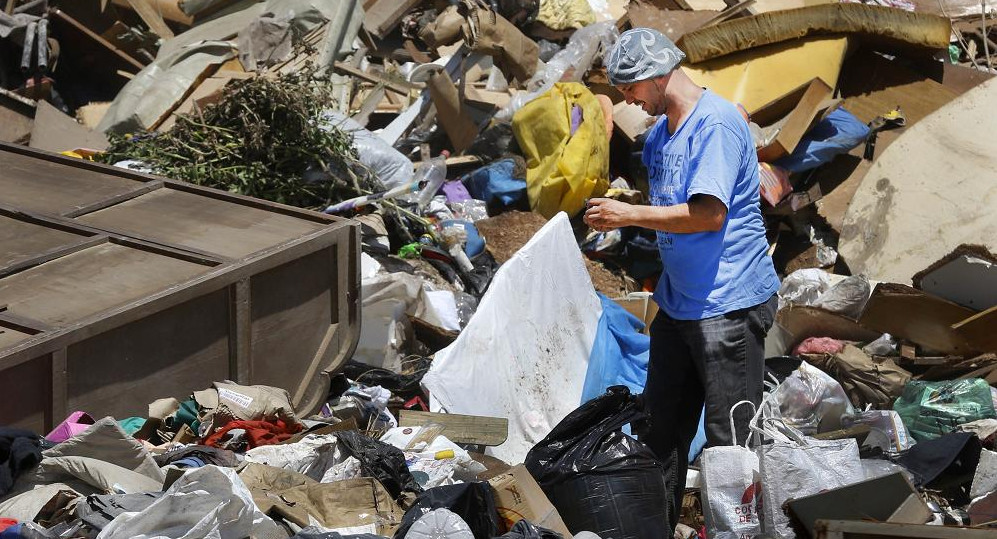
(433,173)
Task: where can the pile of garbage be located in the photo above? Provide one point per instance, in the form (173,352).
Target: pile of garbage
(494,390)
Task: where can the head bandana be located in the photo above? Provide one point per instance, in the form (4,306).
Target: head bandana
(641,54)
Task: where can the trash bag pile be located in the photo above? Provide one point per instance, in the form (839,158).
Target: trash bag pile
(501,345)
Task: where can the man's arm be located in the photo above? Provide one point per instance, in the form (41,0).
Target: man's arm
(703,213)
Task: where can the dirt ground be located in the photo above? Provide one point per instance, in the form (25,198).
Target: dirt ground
(507,233)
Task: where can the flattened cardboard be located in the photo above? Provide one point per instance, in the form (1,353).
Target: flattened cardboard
(797,111)
(518,496)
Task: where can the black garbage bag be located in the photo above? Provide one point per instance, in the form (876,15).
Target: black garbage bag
(473,502)
(383,462)
(599,478)
(525,529)
(405,386)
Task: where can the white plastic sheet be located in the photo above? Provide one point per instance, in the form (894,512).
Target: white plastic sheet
(313,456)
(525,351)
(206,502)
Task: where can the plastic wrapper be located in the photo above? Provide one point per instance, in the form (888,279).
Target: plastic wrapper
(803,287)
(809,400)
(887,430)
(848,297)
(387,163)
(599,478)
(875,468)
(931,409)
(883,346)
(568,65)
(466,305)
(472,210)
(380,461)
(525,529)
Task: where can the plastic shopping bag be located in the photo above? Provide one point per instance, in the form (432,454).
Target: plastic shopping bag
(731,489)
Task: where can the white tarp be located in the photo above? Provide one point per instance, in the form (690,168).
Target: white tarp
(525,351)
(206,502)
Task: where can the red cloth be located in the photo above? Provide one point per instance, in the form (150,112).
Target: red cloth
(257,432)
(7,523)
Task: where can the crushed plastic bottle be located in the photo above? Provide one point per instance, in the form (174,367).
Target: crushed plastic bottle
(433,174)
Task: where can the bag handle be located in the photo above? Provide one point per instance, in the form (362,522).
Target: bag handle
(733,431)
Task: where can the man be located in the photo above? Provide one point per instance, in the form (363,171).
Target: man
(717,290)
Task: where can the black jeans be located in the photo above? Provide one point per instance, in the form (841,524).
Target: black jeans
(717,361)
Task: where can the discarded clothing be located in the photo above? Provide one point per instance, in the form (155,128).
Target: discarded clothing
(99,510)
(210,455)
(836,134)
(501,183)
(20,451)
(947,463)
(257,433)
(207,502)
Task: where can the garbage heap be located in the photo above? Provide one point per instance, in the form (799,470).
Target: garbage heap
(493,389)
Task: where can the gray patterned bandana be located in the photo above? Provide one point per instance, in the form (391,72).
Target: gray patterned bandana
(641,54)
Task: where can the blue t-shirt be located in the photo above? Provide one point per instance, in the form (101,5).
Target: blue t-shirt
(710,273)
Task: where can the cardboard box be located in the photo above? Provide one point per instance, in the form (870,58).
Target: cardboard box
(793,114)
(640,305)
(518,496)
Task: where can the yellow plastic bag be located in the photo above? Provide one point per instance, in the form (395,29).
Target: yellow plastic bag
(563,169)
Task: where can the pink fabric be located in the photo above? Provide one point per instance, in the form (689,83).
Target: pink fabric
(76,423)
(819,345)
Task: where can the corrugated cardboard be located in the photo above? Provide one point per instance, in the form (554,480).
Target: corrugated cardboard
(796,111)
(640,305)
(518,496)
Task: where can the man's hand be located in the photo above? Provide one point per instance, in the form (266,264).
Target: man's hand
(604,214)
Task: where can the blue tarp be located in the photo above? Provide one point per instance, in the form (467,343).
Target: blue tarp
(494,183)
(619,357)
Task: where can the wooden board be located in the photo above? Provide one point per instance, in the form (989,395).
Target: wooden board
(462,429)
(94,325)
(40,185)
(980,330)
(914,316)
(385,15)
(152,17)
(114,275)
(15,122)
(54,131)
(196,222)
(22,239)
(853,529)
(931,191)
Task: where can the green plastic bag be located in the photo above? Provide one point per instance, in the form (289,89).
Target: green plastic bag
(931,409)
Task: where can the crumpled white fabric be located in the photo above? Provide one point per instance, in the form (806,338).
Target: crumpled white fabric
(313,456)
(209,502)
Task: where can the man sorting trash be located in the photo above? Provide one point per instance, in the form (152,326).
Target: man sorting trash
(717,290)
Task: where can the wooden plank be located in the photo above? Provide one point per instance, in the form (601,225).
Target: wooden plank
(369,105)
(151,17)
(240,333)
(980,330)
(92,35)
(21,239)
(462,429)
(195,222)
(56,132)
(391,85)
(115,275)
(854,529)
(60,385)
(385,15)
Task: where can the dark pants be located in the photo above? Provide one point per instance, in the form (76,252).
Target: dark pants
(719,361)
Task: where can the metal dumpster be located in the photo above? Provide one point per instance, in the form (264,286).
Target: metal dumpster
(118,288)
